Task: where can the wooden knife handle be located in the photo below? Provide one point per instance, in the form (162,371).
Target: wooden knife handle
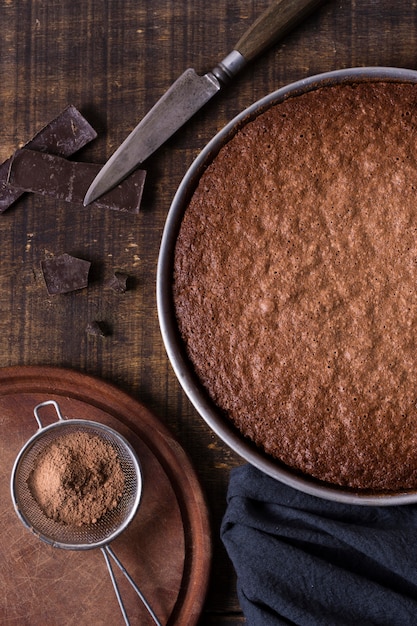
(274,23)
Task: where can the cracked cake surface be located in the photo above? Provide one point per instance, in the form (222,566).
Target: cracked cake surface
(295,283)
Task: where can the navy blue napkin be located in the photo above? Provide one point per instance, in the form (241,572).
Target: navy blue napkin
(305,561)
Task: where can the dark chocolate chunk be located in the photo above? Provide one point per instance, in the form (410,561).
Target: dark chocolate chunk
(65,273)
(118,282)
(63,136)
(50,175)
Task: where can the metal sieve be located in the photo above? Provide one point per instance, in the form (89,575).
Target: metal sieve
(86,536)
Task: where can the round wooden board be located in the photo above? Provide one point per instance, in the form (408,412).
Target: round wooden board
(166,548)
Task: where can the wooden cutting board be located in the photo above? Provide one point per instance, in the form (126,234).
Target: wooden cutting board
(166,548)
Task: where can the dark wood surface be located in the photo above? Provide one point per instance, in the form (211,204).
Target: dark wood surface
(112,59)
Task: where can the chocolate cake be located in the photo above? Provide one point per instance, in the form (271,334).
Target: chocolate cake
(295,283)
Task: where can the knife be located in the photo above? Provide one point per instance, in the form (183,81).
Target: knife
(190,92)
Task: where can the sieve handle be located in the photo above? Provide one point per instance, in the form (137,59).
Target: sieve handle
(106,550)
(47,403)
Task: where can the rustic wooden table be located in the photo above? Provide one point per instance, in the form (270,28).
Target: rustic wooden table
(112,59)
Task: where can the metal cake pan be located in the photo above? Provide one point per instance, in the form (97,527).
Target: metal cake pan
(174,346)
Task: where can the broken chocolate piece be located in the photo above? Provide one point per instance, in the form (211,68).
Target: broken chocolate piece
(51,175)
(63,136)
(118,282)
(97,329)
(65,273)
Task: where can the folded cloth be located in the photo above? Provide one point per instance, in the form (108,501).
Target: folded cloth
(305,561)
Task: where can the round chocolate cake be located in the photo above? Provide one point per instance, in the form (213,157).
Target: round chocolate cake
(295,283)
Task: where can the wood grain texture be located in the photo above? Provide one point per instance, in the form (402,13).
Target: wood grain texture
(113,59)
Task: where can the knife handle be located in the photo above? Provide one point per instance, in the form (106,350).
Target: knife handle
(280,17)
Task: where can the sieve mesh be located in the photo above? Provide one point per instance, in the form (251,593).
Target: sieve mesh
(86,535)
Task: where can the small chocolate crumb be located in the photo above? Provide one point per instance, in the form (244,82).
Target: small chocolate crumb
(118,282)
(65,273)
(97,329)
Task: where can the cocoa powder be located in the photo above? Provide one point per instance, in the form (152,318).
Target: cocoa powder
(76,479)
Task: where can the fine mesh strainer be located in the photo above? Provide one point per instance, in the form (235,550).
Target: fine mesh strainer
(86,536)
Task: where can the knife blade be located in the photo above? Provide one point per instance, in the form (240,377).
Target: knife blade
(190,92)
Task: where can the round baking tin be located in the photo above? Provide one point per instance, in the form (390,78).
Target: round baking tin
(166,313)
